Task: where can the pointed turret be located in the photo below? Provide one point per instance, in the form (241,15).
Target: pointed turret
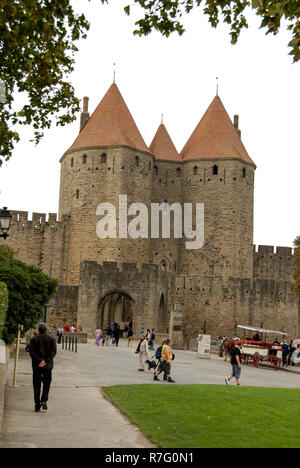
(111,124)
(215,137)
(163,147)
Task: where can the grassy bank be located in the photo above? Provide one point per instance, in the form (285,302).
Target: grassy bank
(211,415)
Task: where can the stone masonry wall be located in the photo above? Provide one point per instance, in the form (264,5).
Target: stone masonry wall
(218,305)
(85,183)
(39,242)
(228,217)
(273,263)
(145,286)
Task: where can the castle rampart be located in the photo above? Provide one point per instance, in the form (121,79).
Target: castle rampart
(273,263)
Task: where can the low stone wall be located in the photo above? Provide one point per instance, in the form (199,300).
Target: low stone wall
(3,374)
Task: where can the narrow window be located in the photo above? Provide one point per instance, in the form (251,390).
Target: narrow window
(178,172)
(150,166)
(195,170)
(103,158)
(137,161)
(77,194)
(244,172)
(155,170)
(215,170)
(84,158)
(72,162)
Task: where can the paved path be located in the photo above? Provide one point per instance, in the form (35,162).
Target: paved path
(79,415)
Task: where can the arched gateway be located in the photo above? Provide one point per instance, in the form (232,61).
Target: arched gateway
(117,307)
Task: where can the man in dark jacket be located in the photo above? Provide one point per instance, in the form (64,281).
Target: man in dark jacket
(42,351)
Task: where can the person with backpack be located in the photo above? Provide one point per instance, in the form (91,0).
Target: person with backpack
(165,361)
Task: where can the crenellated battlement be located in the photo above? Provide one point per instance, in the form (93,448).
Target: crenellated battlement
(37,218)
(273,262)
(271,250)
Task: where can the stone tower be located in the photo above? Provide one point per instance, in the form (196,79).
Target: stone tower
(108,158)
(219,173)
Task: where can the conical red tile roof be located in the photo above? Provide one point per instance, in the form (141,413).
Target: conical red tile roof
(111,124)
(215,137)
(163,147)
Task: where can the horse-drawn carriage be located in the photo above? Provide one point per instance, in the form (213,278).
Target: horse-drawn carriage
(258,350)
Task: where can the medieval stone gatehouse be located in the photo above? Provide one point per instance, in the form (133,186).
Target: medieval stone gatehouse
(158,281)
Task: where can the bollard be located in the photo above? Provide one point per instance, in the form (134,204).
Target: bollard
(76,344)
(72,343)
(69,343)
(63,342)
(20,328)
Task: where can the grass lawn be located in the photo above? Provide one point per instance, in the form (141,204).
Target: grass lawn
(189,416)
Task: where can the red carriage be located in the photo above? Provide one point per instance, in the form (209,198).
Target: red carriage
(259,350)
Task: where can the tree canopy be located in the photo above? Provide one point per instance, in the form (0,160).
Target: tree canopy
(29,290)
(38,44)
(37,47)
(297,264)
(166,16)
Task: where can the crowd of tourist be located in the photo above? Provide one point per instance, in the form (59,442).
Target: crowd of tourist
(112,334)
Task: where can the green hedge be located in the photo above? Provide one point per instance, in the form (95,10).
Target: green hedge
(3,306)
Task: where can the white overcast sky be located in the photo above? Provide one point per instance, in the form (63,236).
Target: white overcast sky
(176,76)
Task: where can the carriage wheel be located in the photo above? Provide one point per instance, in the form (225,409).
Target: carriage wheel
(276,363)
(256,360)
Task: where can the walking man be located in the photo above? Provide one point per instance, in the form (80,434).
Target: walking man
(236,362)
(42,351)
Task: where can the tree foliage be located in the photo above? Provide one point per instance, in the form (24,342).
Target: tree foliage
(29,291)
(37,47)
(297,264)
(165,16)
(38,44)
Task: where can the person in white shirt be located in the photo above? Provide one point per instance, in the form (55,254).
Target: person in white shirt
(143,352)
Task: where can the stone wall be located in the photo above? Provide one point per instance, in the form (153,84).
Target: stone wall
(63,307)
(145,288)
(217,305)
(273,263)
(226,188)
(40,242)
(85,183)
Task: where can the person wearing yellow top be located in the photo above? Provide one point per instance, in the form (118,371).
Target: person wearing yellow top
(165,361)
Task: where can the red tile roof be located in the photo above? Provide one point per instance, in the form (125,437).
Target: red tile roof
(215,137)
(111,124)
(163,147)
